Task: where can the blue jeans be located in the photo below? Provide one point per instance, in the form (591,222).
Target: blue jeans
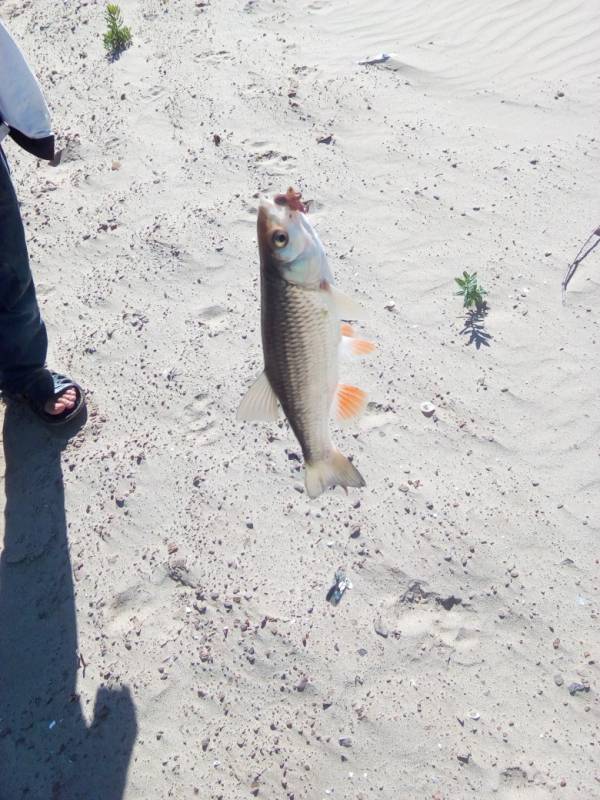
(23,340)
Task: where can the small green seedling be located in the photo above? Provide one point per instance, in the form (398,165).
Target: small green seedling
(472,293)
(118,36)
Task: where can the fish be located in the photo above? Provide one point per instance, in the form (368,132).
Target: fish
(304,335)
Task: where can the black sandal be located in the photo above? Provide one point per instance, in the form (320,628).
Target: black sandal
(47,385)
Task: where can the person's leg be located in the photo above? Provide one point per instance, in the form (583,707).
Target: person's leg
(23,339)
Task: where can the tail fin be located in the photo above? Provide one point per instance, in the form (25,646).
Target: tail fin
(335,470)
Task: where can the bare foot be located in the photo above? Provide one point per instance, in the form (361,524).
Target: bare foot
(65,402)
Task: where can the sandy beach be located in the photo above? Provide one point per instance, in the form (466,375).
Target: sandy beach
(164,627)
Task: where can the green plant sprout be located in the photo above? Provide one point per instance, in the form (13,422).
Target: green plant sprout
(118,36)
(471,291)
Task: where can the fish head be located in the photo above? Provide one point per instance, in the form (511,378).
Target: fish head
(288,243)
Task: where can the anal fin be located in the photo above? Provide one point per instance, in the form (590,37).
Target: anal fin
(349,403)
(260,402)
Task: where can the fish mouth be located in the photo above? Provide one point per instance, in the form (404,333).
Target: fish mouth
(273,215)
(292,199)
(284,211)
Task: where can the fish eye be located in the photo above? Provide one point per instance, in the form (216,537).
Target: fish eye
(279,239)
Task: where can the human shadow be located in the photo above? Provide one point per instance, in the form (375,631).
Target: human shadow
(474,327)
(47,750)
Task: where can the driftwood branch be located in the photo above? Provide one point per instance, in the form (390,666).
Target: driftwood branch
(591,242)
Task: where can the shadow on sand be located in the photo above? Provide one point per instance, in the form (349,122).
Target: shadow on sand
(474,328)
(47,750)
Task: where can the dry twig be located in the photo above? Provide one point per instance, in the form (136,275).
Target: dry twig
(591,242)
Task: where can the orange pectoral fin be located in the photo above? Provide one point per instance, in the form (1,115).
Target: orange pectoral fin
(352,347)
(346,329)
(350,402)
(360,347)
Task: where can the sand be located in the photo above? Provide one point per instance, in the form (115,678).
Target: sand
(164,628)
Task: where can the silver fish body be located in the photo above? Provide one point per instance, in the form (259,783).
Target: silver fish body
(301,335)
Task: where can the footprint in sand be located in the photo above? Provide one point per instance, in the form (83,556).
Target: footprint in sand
(516,783)
(200,424)
(211,313)
(420,613)
(216,318)
(376,416)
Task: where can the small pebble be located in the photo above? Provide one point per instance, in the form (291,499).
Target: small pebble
(558,679)
(575,688)
(345,741)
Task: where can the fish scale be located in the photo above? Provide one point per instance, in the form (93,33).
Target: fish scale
(300,340)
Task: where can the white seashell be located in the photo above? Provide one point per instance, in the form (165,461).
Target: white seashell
(428,409)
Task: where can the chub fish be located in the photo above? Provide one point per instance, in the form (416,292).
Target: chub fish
(303,337)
